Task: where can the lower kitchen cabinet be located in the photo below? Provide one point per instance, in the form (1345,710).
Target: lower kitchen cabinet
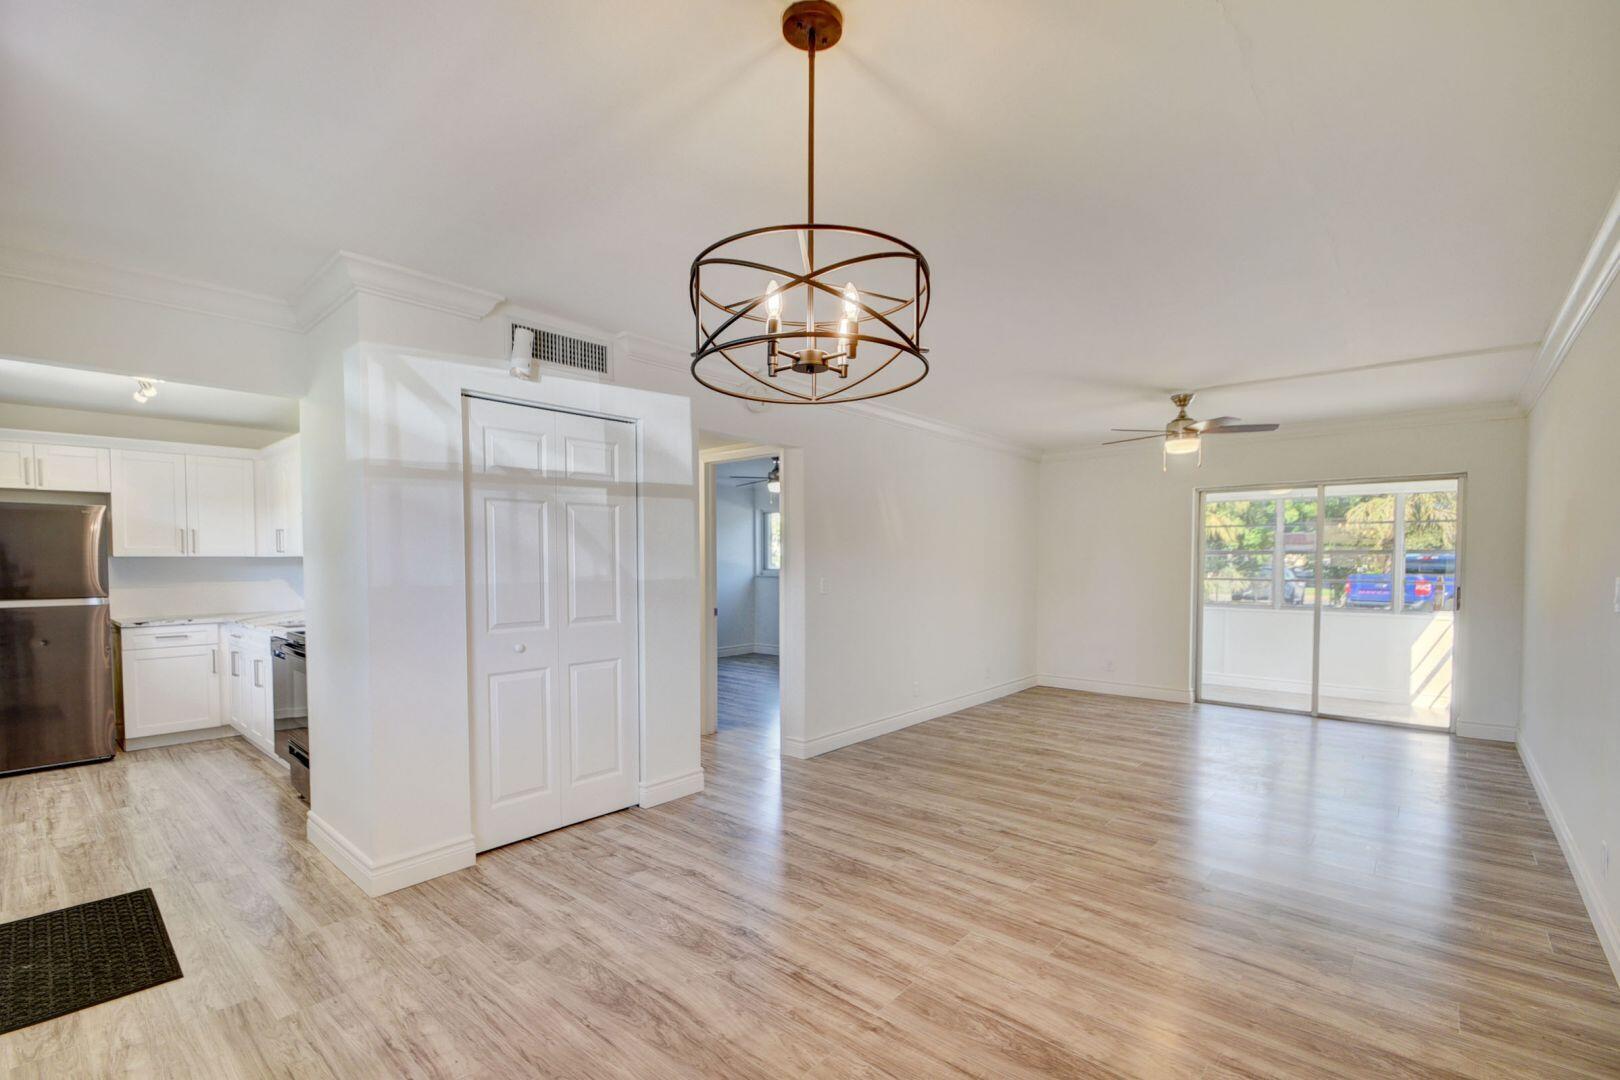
(171,689)
(250,702)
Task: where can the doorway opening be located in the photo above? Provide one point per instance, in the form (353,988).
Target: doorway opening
(1332,599)
(748,547)
(753,570)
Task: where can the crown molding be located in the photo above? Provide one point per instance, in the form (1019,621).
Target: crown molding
(1320,429)
(181,294)
(345,274)
(1591,282)
(661,354)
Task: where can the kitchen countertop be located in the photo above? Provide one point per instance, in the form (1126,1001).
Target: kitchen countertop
(262,620)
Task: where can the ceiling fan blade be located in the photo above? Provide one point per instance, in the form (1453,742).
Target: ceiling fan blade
(1238,429)
(1139,438)
(1144,430)
(1214,422)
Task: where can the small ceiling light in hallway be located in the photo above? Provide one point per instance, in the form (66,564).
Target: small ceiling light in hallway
(755,294)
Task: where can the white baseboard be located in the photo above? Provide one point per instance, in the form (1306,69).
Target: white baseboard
(746,650)
(176,738)
(676,787)
(376,878)
(1597,908)
(1494,732)
(821,744)
(1120,689)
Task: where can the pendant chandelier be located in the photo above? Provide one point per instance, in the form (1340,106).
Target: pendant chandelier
(772,324)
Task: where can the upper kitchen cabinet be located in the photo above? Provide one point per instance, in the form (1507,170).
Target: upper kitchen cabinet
(280,500)
(181,504)
(55,467)
(148,503)
(219,505)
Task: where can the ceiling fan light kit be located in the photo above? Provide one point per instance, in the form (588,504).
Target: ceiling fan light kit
(757,332)
(1184,435)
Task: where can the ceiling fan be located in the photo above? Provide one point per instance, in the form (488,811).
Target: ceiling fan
(1184,435)
(771,480)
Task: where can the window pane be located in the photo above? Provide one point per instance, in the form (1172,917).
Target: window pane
(773,540)
(1361,522)
(1357,581)
(1237,591)
(1240,524)
(1238,565)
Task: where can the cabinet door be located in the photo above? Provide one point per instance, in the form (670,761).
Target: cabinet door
(219,503)
(16,465)
(261,711)
(281,529)
(169,690)
(72,468)
(148,503)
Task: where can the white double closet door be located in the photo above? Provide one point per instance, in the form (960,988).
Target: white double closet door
(551,521)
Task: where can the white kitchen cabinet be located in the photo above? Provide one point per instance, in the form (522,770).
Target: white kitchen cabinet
(16,464)
(58,467)
(219,505)
(148,503)
(248,693)
(181,504)
(280,500)
(168,690)
(55,467)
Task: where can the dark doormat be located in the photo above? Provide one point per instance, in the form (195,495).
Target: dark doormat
(67,960)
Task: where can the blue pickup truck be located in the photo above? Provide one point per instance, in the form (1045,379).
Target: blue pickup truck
(1431,582)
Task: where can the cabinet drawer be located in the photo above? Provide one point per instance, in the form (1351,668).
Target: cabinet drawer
(163,637)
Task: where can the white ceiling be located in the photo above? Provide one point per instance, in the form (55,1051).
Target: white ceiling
(1118,198)
(27,383)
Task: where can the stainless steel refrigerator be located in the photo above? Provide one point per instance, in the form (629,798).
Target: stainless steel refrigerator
(56,662)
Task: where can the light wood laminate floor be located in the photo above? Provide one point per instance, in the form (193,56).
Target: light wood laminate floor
(1054,883)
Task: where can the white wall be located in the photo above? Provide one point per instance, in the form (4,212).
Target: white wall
(1571,734)
(1117,537)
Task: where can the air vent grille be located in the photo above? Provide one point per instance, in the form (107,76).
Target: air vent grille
(577,354)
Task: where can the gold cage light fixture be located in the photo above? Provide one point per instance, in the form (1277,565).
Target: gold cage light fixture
(757,331)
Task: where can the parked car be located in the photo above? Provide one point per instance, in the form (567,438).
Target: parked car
(1431,582)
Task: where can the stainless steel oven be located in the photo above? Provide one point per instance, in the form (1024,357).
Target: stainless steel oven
(287,657)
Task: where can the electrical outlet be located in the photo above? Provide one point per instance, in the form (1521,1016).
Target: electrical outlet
(823,586)
(1108,665)
(916,689)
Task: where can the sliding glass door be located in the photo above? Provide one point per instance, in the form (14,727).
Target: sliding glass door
(1331,599)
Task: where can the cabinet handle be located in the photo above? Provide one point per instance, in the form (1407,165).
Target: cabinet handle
(258,673)
(236,666)
(213,661)
(281,540)
(170,637)
(39,472)
(182,541)
(194,541)
(27,480)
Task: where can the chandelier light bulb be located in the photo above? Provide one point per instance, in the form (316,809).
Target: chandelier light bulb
(852,302)
(773,300)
